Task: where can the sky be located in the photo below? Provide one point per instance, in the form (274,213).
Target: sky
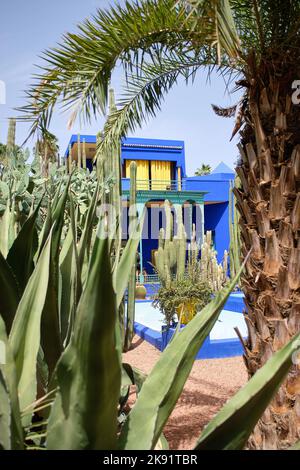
(29,27)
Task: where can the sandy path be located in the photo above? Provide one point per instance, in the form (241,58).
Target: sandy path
(211,383)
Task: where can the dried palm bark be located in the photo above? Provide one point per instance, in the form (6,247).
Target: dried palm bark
(269,206)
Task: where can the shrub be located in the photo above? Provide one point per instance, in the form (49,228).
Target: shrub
(182,292)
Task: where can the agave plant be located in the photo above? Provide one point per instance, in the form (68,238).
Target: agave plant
(45,281)
(257,44)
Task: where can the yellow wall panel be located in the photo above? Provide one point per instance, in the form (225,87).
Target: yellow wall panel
(142,173)
(160,174)
(160,171)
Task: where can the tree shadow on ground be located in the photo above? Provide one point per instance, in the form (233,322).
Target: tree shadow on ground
(136,343)
(193,411)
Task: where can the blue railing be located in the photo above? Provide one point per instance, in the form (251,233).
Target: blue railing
(155,185)
(159,185)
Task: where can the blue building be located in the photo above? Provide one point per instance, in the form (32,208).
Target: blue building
(161,175)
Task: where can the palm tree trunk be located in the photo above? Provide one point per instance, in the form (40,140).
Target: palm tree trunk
(269,207)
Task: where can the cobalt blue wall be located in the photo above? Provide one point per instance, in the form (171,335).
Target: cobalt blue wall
(216,214)
(148,244)
(143,149)
(216,218)
(217,190)
(154,149)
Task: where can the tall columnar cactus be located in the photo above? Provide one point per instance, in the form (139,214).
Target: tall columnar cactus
(161,259)
(100,161)
(70,161)
(115,168)
(181,250)
(108,168)
(11,135)
(209,268)
(166,257)
(129,332)
(78,151)
(235,243)
(109,175)
(174,260)
(83,155)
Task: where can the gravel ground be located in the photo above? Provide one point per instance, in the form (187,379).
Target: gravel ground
(211,383)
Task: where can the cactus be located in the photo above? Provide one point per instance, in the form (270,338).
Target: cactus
(161,238)
(225,265)
(70,162)
(171,253)
(100,161)
(11,135)
(78,152)
(235,242)
(83,155)
(90,352)
(171,256)
(108,169)
(181,253)
(209,269)
(129,332)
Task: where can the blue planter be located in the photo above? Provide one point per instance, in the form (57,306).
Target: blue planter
(166,334)
(211,349)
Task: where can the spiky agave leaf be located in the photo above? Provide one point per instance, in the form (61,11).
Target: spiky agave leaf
(164,384)
(84,413)
(232,426)
(24,338)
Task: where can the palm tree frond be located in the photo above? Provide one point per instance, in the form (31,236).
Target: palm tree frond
(217,19)
(145,93)
(77,72)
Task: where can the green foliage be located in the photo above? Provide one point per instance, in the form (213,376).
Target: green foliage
(12,417)
(9,301)
(11,135)
(5,416)
(130,35)
(179,293)
(203,170)
(156,42)
(186,279)
(77,384)
(234,231)
(24,337)
(84,412)
(164,384)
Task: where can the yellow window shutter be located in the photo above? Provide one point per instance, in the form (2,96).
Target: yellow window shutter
(161,172)
(142,173)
